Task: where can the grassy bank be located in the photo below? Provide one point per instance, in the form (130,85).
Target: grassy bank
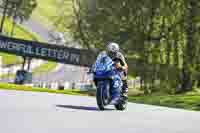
(21,33)
(44,68)
(183,101)
(49,11)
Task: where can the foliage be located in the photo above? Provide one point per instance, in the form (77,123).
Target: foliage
(20,9)
(163,34)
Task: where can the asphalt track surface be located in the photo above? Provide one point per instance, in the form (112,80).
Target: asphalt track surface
(30,112)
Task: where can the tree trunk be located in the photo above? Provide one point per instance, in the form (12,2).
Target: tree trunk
(189,49)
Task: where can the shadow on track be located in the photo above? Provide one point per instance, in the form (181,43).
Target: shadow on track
(80,107)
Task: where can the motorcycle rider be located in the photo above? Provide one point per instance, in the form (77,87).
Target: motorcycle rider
(114,53)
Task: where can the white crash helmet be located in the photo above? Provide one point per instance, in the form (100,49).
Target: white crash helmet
(112,47)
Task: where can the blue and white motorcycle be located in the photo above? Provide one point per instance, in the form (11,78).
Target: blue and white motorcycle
(108,82)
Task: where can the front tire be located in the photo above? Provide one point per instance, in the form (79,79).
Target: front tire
(102,100)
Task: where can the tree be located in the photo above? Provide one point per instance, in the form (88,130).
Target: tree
(161,37)
(19,9)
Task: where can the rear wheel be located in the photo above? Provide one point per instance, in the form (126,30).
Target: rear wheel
(122,105)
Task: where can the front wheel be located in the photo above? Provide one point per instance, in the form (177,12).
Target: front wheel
(102,95)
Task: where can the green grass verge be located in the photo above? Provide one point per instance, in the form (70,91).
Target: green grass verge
(5,86)
(183,101)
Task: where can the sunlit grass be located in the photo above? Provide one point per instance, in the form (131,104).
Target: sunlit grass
(21,33)
(44,68)
(184,101)
(5,86)
(47,12)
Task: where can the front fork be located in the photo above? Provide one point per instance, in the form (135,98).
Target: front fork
(113,88)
